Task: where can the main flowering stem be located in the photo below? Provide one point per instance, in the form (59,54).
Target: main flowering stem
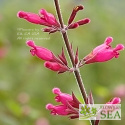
(67,44)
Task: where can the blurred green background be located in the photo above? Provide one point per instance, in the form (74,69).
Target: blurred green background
(25,84)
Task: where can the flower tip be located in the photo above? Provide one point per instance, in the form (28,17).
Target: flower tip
(74,25)
(108,40)
(116,100)
(49,106)
(87,20)
(21,14)
(42,11)
(81,7)
(30,43)
(47,64)
(56,91)
(77,8)
(119,47)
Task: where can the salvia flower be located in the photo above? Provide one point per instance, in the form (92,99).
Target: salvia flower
(115,100)
(51,61)
(71,24)
(103,52)
(43,18)
(69,104)
(55,66)
(57,110)
(61,97)
(40,52)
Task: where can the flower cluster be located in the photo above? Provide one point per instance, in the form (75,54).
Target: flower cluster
(51,61)
(43,18)
(69,104)
(49,20)
(101,53)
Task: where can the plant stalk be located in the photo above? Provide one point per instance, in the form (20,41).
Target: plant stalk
(71,56)
(67,44)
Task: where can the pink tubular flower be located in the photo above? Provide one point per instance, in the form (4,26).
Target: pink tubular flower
(69,106)
(57,110)
(30,17)
(103,52)
(61,97)
(115,100)
(55,66)
(40,52)
(45,18)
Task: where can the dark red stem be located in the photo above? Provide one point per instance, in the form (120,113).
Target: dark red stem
(67,44)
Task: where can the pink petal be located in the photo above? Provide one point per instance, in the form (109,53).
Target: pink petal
(56,91)
(108,40)
(119,47)
(31,43)
(49,18)
(30,17)
(116,100)
(49,106)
